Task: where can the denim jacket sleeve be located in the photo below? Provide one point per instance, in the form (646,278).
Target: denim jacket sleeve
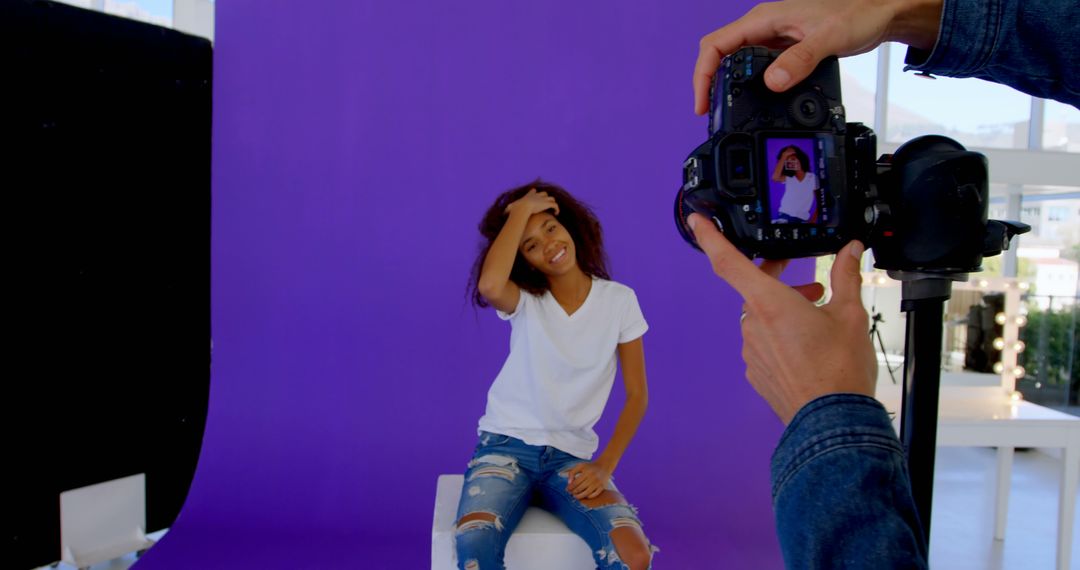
(1029,45)
(841,493)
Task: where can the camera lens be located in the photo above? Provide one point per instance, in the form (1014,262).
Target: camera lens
(808,109)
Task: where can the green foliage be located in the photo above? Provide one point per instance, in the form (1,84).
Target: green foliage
(1072,253)
(1050,337)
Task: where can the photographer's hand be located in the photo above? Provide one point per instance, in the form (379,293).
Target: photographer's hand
(794,350)
(812,30)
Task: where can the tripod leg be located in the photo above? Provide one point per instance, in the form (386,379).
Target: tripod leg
(881,343)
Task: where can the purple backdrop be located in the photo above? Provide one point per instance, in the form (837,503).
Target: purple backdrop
(356,145)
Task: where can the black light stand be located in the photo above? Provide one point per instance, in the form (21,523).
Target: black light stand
(875,334)
(923,298)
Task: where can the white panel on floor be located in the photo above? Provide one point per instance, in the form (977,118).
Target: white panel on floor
(103,521)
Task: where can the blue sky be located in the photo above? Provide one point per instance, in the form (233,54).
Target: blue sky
(157,7)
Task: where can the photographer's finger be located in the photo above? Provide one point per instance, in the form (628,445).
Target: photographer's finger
(754,27)
(812,292)
(795,63)
(846,276)
(708,59)
(774,267)
(727,262)
(711,51)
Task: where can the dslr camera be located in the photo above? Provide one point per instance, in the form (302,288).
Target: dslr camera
(784,175)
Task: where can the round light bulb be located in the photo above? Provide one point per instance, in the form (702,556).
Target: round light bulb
(1020,321)
(1018,372)
(1000,318)
(999,367)
(999,343)
(1019,346)
(1024,285)
(880,280)
(983,283)
(1016,396)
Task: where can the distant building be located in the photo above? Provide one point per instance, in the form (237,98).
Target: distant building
(1056,281)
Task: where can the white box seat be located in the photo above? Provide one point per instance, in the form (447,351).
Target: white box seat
(540,542)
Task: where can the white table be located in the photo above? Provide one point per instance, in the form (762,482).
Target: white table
(987,417)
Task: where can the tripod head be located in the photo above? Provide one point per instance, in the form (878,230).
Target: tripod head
(938,210)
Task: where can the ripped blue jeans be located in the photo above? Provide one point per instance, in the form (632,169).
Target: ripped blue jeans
(507,475)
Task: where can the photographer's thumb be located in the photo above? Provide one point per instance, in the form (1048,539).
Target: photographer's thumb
(846,277)
(795,64)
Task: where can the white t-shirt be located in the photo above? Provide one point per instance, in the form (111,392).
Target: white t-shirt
(798,196)
(555,382)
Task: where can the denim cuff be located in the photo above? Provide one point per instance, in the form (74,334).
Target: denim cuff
(830,423)
(966,40)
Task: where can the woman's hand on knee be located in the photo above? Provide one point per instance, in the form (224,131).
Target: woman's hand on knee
(587,480)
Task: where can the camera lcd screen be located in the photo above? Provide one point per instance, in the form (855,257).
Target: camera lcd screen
(798,181)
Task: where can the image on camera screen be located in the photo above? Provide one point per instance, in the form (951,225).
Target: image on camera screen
(797,180)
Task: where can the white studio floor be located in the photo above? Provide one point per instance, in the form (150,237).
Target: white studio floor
(963,519)
(963,511)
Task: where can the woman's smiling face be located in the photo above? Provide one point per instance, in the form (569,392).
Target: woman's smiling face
(547,246)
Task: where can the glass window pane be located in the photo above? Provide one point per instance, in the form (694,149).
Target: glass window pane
(194,17)
(1054,240)
(972,111)
(158,12)
(79,3)
(1061,128)
(858,82)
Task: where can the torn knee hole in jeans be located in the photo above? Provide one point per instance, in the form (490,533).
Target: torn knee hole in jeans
(479,520)
(629,542)
(623,522)
(608,498)
(472,565)
(493,466)
(608,555)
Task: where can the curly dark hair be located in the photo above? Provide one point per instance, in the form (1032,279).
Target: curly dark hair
(578,219)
